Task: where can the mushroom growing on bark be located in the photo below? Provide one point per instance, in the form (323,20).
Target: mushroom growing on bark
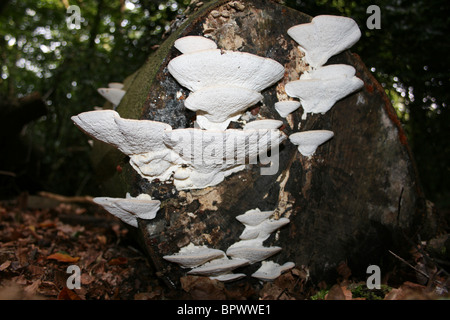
(320,89)
(194,158)
(270,270)
(129,209)
(308,141)
(223,83)
(192,256)
(324,37)
(114,93)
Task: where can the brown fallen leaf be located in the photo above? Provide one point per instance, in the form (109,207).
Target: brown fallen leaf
(118,261)
(67,294)
(5,265)
(201,288)
(62,257)
(335,293)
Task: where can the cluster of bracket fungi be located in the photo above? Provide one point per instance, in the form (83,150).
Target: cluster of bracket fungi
(223,85)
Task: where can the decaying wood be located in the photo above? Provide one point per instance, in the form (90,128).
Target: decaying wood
(353,201)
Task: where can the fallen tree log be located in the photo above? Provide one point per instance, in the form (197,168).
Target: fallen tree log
(357,198)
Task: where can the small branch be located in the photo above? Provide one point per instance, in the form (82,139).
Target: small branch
(410,265)
(61,198)
(7,173)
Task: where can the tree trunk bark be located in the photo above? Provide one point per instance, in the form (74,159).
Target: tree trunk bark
(356,198)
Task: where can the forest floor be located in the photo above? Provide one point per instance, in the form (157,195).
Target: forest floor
(40,237)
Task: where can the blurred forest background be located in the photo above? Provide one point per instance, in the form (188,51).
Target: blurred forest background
(49,72)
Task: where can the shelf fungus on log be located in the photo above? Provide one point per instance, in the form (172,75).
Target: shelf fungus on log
(193,256)
(285,108)
(223,83)
(194,43)
(129,209)
(308,141)
(114,93)
(270,270)
(324,37)
(193,158)
(270,124)
(321,88)
(258,228)
(339,206)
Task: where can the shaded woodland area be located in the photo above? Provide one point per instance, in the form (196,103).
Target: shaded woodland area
(50,72)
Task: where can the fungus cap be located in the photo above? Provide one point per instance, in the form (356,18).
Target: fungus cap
(218,266)
(254,217)
(113,95)
(190,44)
(284,108)
(324,37)
(270,270)
(192,256)
(207,68)
(129,209)
(308,141)
(252,253)
(331,71)
(320,95)
(220,103)
(115,85)
(271,124)
(226,277)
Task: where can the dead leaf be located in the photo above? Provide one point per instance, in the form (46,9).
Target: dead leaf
(67,294)
(335,293)
(118,261)
(5,265)
(202,288)
(32,288)
(47,224)
(343,270)
(62,257)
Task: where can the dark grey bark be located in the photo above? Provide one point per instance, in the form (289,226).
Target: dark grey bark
(357,198)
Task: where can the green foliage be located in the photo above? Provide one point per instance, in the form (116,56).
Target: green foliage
(39,52)
(361,291)
(320,295)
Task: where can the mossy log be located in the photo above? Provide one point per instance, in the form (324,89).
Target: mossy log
(356,198)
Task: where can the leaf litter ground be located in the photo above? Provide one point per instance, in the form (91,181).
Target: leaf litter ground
(41,237)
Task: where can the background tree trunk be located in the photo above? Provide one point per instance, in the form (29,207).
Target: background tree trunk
(357,198)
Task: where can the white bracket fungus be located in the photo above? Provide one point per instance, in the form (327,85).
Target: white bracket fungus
(194,43)
(270,124)
(223,83)
(324,37)
(252,253)
(115,85)
(258,227)
(320,89)
(270,270)
(192,256)
(216,264)
(226,277)
(114,93)
(129,209)
(194,158)
(208,68)
(284,108)
(218,267)
(221,104)
(308,141)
